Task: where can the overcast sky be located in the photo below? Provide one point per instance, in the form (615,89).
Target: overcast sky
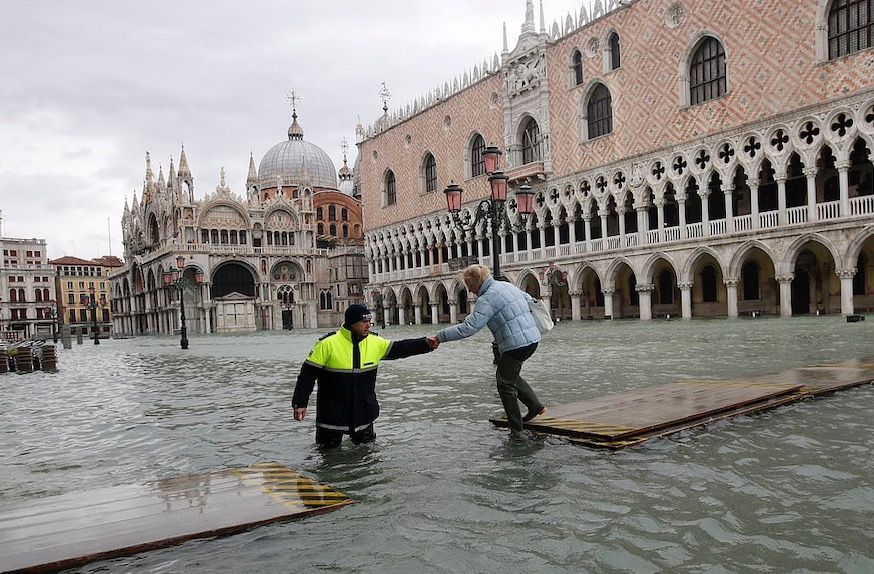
(87,87)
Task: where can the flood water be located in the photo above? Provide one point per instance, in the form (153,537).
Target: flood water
(442,490)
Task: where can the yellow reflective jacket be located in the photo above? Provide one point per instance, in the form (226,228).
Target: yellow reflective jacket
(346,373)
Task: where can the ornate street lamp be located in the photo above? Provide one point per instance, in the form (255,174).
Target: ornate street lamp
(493,210)
(53,311)
(174,277)
(93,304)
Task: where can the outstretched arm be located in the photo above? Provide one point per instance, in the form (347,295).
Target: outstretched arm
(408,347)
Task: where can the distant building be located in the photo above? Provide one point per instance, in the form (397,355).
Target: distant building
(289,254)
(27,292)
(687,158)
(76,304)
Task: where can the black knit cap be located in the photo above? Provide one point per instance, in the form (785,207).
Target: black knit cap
(355,313)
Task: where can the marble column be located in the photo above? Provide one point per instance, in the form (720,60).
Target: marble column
(785,282)
(575,305)
(608,302)
(731,296)
(685,299)
(644,293)
(846,276)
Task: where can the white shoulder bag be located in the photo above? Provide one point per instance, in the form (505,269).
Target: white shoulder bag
(542,316)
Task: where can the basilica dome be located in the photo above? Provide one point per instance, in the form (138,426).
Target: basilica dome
(297,162)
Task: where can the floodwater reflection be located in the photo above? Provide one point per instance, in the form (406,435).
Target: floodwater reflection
(441,490)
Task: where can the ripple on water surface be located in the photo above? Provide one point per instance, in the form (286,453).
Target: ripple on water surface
(441,490)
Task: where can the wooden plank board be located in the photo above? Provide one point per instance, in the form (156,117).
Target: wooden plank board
(60,532)
(627,419)
(615,417)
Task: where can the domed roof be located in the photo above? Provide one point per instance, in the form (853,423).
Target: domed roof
(297,160)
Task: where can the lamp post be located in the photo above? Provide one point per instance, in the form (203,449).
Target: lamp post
(93,304)
(174,277)
(53,311)
(492,209)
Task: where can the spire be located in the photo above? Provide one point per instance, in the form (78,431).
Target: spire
(345,172)
(542,19)
(162,183)
(150,177)
(295,132)
(505,50)
(184,170)
(528,26)
(252,178)
(171,176)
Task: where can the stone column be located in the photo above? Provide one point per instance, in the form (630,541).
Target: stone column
(434,318)
(453,311)
(781,200)
(843,168)
(754,205)
(728,192)
(686,299)
(846,276)
(642,224)
(810,173)
(605,233)
(575,305)
(207,306)
(620,211)
(572,229)
(644,293)
(587,219)
(402,315)
(681,207)
(731,296)
(608,302)
(417,313)
(705,211)
(660,210)
(785,282)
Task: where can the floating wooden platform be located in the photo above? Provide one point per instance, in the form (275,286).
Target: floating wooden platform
(73,529)
(622,420)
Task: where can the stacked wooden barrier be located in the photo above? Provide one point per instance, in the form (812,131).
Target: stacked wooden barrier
(27,357)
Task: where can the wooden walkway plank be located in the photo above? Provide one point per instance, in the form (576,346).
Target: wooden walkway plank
(626,419)
(60,532)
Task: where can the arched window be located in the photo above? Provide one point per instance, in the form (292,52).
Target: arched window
(332,213)
(345,230)
(615,56)
(430,173)
(321,228)
(600,112)
(577,67)
(531,142)
(344,214)
(333,230)
(850,27)
(320,212)
(707,74)
(13,296)
(477,166)
(390,194)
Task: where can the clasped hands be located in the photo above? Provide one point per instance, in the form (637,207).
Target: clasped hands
(433,341)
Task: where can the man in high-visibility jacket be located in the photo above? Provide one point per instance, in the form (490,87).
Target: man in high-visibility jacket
(345,363)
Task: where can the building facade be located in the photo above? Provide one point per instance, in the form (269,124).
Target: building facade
(84,297)
(261,259)
(27,290)
(688,158)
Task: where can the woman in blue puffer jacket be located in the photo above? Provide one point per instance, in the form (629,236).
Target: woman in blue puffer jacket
(504,308)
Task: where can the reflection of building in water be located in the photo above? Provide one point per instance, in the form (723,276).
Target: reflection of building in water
(687,158)
(288,254)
